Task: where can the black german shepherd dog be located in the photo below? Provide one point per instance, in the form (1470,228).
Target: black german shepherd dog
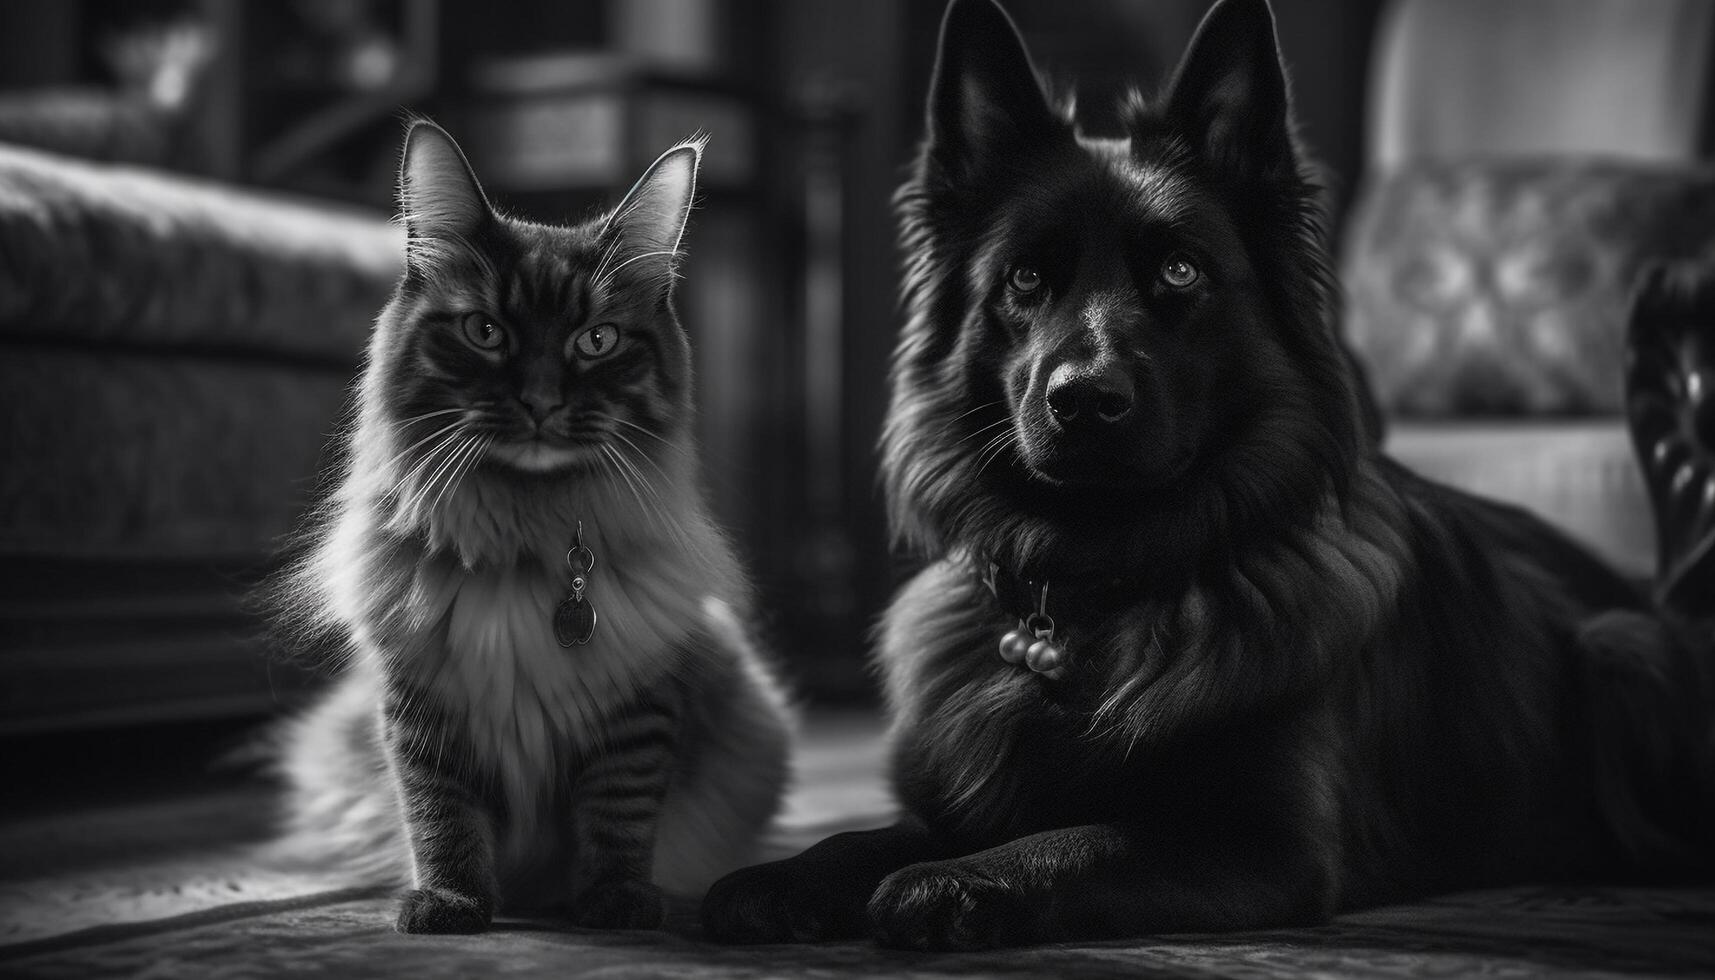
(1189,652)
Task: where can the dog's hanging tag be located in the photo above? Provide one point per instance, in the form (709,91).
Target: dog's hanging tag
(574,620)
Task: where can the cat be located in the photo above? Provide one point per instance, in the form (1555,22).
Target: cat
(1188,652)
(552,700)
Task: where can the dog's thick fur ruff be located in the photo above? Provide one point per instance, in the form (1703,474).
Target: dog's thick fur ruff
(1333,683)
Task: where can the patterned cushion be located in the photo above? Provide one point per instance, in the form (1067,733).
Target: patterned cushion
(1501,288)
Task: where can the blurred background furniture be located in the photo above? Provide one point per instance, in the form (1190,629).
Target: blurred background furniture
(1525,161)
(1539,150)
(1670,403)
(147,486)
(173,354)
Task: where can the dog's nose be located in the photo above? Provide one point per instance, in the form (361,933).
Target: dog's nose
(1092,397)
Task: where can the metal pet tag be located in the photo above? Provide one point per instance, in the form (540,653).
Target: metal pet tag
(575,617)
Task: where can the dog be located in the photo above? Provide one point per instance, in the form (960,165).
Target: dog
(1189,653)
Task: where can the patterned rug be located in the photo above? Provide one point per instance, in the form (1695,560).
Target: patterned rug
(164,890)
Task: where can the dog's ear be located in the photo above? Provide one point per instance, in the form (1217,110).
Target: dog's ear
(1229,94)
(984,96)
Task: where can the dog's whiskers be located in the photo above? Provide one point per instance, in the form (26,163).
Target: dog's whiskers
(982,430)
(964,415)
(1000,445)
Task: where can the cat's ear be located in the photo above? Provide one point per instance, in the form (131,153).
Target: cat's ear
(439,197)
(1229,94)
(650,221)
(985,100)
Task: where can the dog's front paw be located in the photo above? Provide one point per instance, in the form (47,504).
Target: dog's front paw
(783,902)
(437,911)
(620,904)
(948,905)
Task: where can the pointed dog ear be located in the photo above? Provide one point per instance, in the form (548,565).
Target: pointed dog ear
(650,221)
(1229,94)
(984,97)
(439,197)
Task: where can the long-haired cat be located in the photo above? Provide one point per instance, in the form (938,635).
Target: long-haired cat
(550,699)
(1189,653)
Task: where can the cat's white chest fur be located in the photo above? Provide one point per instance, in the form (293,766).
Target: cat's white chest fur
(531,707)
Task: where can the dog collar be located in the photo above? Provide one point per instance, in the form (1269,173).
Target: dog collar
(1043,606)
(1032,642)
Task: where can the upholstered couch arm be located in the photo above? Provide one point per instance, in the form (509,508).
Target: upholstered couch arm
(173,356)
(127,256)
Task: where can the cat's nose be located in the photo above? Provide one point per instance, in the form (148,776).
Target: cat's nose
(540,408)
(1079,395)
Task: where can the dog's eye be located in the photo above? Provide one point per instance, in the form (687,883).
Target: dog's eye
(1024,280)
(483,333)
(1178,272)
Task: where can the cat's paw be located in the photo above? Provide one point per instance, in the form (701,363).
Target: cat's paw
(783,902)
(948,905)
(436,911)
(621,904)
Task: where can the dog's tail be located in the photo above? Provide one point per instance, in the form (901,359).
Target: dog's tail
(341,812)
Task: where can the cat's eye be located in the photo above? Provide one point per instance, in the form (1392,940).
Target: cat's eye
(1178,272)
(483,333)
(1024,280)
(597,341)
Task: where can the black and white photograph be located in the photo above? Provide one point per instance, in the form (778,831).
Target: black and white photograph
(857,488)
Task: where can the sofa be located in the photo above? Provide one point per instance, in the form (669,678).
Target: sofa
(1526,165)
(173,355)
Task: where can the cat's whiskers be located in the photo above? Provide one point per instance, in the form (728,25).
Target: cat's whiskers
(620,468)
(607,470)
(448,441)
(414,508)
(631,476)
(637,471)
(408,450)
(670,444)
(466,466)
(653,505)
(677,447)
(467,462)
(645,456)
(407,423)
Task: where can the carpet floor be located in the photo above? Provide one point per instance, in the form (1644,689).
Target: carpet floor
(164,888)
